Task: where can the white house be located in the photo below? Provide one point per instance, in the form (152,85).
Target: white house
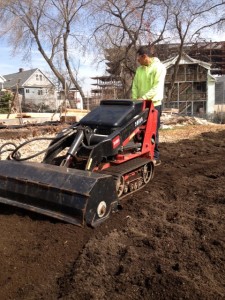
(38,92)
(74,99)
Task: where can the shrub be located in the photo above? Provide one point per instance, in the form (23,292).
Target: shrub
(5,99)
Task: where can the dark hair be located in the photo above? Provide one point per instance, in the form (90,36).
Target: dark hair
(144,50)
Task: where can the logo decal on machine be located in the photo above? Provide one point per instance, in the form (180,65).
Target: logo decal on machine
(138,122)
(116,141)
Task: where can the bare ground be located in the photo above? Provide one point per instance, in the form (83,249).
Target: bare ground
(167,242)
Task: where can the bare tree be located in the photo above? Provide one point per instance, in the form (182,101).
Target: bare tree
(51,26)
(119,27)
(122,26)
(187,20)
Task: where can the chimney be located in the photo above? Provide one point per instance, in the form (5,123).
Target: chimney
(21,70)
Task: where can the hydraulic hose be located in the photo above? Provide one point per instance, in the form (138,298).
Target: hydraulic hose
(15,156)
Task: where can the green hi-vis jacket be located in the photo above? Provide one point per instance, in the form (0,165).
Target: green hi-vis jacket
(148,82)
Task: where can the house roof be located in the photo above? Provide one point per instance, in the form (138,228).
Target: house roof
(186,59)
(20,77)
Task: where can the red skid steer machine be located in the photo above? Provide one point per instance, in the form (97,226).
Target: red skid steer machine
(88,167)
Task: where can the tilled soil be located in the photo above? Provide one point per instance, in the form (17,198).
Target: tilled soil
(167,242)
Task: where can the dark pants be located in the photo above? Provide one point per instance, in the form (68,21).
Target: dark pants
(156,151)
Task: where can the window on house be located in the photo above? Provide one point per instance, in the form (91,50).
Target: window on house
(40,92)
(27,91)
(40,77)
(37,77)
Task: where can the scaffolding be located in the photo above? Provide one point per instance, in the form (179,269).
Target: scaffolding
(190,92)
(211,52)
(106,87)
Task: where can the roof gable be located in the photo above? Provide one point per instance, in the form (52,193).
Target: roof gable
(185,60)
(21,78)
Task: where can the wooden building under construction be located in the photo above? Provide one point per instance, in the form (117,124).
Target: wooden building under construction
(210,52)
(106,87)
(194,91)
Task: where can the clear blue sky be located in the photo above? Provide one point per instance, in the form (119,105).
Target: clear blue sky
(10,64)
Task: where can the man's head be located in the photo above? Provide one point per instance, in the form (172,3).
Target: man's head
(144,56)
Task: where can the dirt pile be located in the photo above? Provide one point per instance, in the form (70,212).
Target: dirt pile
(167,242)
